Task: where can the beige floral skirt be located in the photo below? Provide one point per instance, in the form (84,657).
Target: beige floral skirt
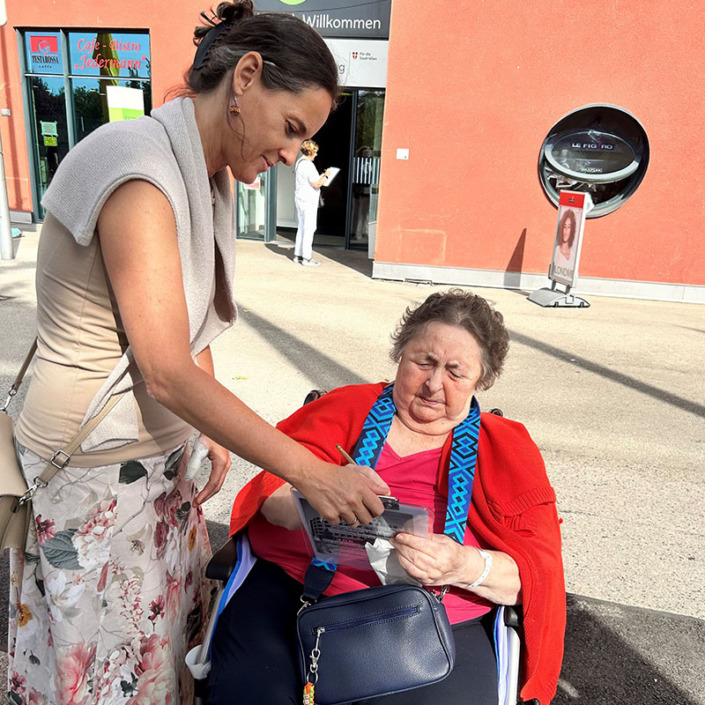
(109,594)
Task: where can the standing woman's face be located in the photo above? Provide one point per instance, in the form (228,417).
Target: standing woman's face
(271,125)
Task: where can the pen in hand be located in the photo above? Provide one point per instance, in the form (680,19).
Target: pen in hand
(341,450)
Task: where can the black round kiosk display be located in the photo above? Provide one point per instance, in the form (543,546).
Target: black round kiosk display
(599,149)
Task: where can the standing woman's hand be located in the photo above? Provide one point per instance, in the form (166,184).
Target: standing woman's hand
(344,494)
(220,464)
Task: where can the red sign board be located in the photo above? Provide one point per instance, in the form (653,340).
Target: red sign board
(44,45)
(571,199)
(573,206)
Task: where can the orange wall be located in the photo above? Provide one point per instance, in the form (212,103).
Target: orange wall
(474,87)
(12,128)
(171,31)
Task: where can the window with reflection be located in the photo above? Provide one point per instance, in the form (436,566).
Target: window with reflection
(97,101)
(47,106)
(107,75)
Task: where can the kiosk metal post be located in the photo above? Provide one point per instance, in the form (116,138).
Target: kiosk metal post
(600,152)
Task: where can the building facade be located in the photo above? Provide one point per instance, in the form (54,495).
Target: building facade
(442,135)
(473,89)
(69,71)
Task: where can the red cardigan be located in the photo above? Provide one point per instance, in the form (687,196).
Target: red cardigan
(513,510)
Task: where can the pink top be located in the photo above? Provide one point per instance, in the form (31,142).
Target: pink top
(412,481)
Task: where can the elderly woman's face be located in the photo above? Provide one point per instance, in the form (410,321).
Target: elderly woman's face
(436,378)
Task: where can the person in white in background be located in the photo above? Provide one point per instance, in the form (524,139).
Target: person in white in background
(306,196)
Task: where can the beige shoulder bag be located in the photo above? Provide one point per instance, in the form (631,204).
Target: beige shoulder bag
(15,494)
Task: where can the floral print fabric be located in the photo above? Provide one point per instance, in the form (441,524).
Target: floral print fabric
(108,596)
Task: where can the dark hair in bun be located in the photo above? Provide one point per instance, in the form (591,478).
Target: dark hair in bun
(294,54)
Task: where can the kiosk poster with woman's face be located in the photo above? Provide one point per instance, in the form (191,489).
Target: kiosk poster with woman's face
(572,209)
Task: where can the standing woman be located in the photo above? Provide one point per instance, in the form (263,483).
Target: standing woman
(307,195)
(134,280)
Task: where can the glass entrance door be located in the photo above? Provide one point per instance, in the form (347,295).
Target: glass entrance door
(351,140)
(256,208)
(365,172)
(334,142)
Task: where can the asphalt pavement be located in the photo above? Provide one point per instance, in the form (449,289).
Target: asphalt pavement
(613,394)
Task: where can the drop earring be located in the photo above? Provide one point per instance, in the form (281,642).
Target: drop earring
(234,107)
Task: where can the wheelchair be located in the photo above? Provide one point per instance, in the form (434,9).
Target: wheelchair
(230,565)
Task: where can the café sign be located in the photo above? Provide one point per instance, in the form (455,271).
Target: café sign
(43,53)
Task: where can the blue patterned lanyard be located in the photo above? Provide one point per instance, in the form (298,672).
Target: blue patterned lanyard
(461,473)
(463,456)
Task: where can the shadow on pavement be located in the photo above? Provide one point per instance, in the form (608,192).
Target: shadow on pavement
(357,260)
(662,395)
(615,654)
(322,370)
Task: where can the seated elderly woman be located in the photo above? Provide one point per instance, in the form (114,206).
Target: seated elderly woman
(447,348)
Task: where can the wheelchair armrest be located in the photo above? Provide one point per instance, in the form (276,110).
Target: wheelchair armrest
(313,395)
(223,561)
(513,616)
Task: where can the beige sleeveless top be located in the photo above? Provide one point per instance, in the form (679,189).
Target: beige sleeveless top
(80,341)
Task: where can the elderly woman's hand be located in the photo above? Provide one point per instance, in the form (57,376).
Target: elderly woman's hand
(437,560)
(434,561)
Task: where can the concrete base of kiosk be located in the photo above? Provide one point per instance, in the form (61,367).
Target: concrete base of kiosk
(557,299)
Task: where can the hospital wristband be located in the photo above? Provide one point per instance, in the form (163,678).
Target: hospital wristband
(487,557)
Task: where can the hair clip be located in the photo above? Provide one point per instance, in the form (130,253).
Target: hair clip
(209,38)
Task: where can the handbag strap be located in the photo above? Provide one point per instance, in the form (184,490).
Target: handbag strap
(20,375)
(461,475)
(463,456)
(61,458)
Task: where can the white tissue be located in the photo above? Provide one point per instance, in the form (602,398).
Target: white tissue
(198,454)
(384,561)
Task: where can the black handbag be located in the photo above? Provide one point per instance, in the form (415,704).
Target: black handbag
(398,636)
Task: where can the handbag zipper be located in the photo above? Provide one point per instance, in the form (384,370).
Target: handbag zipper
(399,613)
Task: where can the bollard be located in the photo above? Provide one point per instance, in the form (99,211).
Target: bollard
(7,251)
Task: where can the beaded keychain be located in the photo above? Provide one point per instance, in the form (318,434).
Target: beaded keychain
(308,694)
